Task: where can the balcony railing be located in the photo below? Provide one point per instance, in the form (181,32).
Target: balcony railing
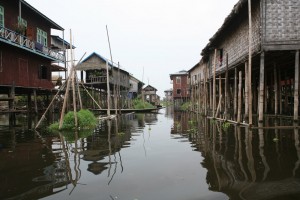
(24,42)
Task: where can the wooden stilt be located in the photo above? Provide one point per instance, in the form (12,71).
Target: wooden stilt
(227,100)
(220,92)
(29,104)
(35,101)
(296,87)
(261,88)
(246,91)
(250,64)
(235,93)
(280,92)
(214,83)
(239,98)
(276,90)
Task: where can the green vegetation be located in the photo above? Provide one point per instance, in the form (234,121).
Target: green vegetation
(185,106)
(86,121)
(225,125)
(139,104)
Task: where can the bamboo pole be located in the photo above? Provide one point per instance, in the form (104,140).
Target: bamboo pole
(280,92)
(91,96)
(35,101)
(108,89)
(239,98)
(65,103)
(43,116)
(73,83)
(219,106)
(261,88)
(250,64)
(246,91)
(227,101)
(276,89)
(235,93)
(214,83)
(296,87)
(220,91)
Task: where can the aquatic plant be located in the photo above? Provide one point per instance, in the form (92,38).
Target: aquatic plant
(225,125)
(86,120)
(140,104)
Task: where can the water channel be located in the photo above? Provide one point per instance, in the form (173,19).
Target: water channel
(164,156)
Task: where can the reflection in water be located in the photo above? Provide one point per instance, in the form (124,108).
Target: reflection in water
(245,163)
(151,156)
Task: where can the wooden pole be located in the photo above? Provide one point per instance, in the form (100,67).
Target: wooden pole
(43,116)
(261,87)
(108,89)
(73,83)
(239,98)
(276,89)
(35,101)
(220,91)
(280,93)
(235,93)
(246,91)
(250,65)
(214,84)
(296,87)
(227,101)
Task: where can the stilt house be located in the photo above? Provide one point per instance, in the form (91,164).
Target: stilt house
(26,53)
(181,86)
(274,45)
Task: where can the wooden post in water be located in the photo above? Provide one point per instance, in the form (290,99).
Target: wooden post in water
(261,87)
(220,91)
(227,100)
(246,91)
(296,87)
(239,98)
(276,89)
(35,101)
(108,89)
(235,93)
(280,93)
(214,84)
(250,64)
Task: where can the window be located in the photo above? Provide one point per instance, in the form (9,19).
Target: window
(43,73)
(22,22)
(178,79)
(178,91)
(41,37)
(1,16)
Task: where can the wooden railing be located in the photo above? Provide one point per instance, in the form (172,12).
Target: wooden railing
(23,41)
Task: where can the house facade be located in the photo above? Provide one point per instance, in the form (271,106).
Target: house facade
(273,85)
(181,86)
(149,95)
(135,87)
(25,46)
(169,95)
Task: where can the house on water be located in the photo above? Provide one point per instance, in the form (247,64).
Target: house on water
(94,75)
(181,88)
(26,54)
(266,81)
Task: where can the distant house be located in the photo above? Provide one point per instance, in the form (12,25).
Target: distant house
(181,86)
(94,67)
(150,95)
(135,87)
(169,95)
(26,53)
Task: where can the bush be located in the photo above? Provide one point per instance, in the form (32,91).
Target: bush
(139,104)
(86,120)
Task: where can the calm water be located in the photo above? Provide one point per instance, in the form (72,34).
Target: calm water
(164,156)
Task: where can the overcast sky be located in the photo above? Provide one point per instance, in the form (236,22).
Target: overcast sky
(158,36)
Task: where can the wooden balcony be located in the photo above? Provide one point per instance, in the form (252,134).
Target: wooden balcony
(13,38)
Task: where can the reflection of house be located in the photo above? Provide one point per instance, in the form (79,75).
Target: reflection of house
(135,87)
(26,53)
(180,86)
(150,95)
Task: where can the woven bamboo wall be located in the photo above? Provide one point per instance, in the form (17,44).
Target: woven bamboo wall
(282,21)
(236,42)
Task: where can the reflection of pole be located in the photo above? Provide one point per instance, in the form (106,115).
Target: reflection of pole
(248,140)
(109,145)
(296,138)
(261,151)
(214,156)
(241,152)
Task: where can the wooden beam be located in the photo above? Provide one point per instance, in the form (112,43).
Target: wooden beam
(296,87)
(239,98)
(261,87)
